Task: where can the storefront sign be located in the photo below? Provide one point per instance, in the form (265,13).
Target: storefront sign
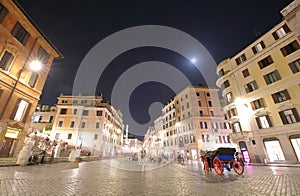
(12,133)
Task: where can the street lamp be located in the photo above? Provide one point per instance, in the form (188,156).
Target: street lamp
(34,65)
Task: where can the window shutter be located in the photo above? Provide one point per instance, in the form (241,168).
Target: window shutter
(27,113)
(295,45)
(296,114)
(258,122)
(287,95)
(267,79)
(286,28)
(283,118)
(263,44)
(254,50)
(284,51)
(13,114)
(275,36)
(275,98)
(253,106)
(269,121)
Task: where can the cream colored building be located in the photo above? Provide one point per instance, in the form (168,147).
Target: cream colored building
(90,122)
(261,88)
(42,120)
(193,121)
(21,42)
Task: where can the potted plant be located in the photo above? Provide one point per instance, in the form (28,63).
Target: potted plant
(77,159)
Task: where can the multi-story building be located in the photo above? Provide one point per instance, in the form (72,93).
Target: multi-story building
(90,122)
(21,43)
(42,119)
(261,88)
(192,121)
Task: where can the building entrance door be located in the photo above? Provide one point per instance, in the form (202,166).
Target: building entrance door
(5,147)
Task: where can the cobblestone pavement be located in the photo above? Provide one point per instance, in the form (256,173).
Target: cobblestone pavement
(110,177)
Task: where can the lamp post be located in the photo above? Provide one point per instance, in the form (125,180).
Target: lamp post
(34,65)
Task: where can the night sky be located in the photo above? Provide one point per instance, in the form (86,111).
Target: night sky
(74,27)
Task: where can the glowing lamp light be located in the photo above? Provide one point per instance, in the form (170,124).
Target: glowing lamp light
(193,60)
(35,65)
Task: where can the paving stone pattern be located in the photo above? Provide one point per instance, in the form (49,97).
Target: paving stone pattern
(111,177)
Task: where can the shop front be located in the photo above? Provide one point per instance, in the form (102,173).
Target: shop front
(9,142)
(274,150)
(295,140)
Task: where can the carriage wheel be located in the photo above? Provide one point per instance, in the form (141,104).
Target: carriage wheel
(206,166)
(238,166)
(218,166)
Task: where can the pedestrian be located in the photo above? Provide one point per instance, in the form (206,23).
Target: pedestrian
(52,155)
(139,158)
(43,153)
(72,155)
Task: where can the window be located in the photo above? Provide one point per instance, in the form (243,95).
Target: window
(214,125)
(246,73)
(258,47)
(290,48)
(265,62)
(187,105)
(99,113)
(69,136)
(209,104)
(207,94)
(192,139)
(236,127)
(182,108)
(295,66)
(72,124)
(198,94)
(64,101)
(20,33)
(232,112)
(51,119)
(212,113)
(83,125)
(199,103)
(229,98)
(281,96)
(95,136)
(6,60)
(63,111)
(221,72)
(272,77)
(240,59)
(43,55)
(85,113)
(259,103)
(3,12)
(263,122)
(60,123)
(186,96)
(186,140)
(33,79)
(74,111)
(201,113)
(281,32)
(20,108)
(97,125)
(203,125)
(225,84)
(251,86)
(289,116)
(56,136)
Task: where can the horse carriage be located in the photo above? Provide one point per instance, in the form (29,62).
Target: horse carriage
(223,158)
